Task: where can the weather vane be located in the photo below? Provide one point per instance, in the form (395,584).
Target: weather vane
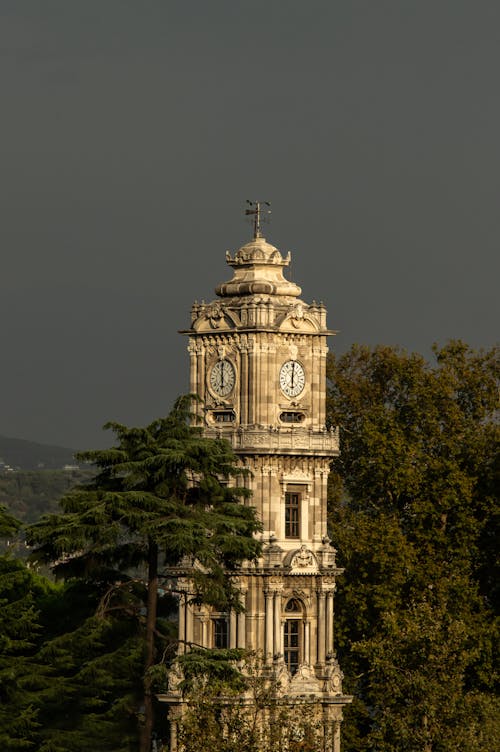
(259,215)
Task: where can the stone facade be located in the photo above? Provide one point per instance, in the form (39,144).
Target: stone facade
(258,363)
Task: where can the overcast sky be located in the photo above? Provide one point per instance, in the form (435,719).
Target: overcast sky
(133,131)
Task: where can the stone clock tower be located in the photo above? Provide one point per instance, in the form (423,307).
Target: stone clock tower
(258,363)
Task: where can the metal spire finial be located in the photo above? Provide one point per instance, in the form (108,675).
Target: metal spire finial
(259,215)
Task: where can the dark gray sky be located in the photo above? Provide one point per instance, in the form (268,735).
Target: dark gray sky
(133,132)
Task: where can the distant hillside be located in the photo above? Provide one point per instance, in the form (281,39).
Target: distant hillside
(29,455)
(30,493)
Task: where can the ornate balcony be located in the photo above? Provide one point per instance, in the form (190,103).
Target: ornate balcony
(283,440)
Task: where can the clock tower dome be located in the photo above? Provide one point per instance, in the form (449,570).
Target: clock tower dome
(258,363)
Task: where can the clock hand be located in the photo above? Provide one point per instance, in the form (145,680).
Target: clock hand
(293,373)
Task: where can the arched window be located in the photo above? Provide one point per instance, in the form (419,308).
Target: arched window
(293,634)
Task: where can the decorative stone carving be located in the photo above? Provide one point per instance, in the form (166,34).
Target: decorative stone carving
(302,561)
(304,682)
(301,595)
(297,316)
(297,476)
(281,678)
(175,677)
(215,315)
(334,674)
(327,553)
(274,585)
(273,554)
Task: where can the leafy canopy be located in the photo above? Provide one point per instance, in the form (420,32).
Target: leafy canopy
(414,512)
(164,484)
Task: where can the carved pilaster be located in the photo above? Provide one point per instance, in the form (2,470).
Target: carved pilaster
(242,622)
(269,625)
(232,629)
(329,623)
(321,650)
(278,648)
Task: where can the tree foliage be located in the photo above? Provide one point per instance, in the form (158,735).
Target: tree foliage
(414,513)
(244,710)
(163,498)
(30,494)
(19,633)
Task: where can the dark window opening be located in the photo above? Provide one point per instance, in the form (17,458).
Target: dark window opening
(290,417)
(220,633)
(292,645)
(293,606)
(224,416)
(292,514)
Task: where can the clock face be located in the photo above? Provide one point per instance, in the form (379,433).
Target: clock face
(292,378)
(222,377)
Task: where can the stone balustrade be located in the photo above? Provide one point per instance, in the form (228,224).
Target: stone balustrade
(270,440)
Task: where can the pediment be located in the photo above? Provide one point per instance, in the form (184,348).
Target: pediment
(215,317)
(298,319)
(301,561)
(304,682)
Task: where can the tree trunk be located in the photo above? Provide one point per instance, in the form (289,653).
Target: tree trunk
(147,727)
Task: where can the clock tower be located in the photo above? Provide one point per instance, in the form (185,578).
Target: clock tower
(258,363)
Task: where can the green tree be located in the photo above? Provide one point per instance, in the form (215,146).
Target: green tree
(19,633)
(164,496)
(244,710)
(29,494)
(91,685)
(414,514)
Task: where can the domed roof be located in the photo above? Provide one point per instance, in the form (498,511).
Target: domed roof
(257,250)
(258,269)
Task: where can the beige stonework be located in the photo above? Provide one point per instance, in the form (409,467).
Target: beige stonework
(258,363)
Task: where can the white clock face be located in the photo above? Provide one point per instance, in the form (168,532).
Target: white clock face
(292,378)
(222,377)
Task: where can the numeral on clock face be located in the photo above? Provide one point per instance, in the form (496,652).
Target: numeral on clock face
(292,378)
(222,377)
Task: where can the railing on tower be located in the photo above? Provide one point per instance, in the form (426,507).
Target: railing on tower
(281,439)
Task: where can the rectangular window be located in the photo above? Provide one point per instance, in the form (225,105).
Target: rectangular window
(292,514)
(224,416)
(292,644)
(220,633)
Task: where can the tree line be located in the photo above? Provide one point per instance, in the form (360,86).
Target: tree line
(413,513)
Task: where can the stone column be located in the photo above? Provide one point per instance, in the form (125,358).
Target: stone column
(189,622)
(336,736)
(321,627)
(277,624)
(268,625)
(173,736)
(307,643)
(244,381)
(193,383)
(251,384)
(200,387)
(329,623)
(204,631)
(242,622)
(182,623)
(232,629)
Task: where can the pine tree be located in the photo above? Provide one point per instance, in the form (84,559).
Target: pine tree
(163,497)
(19,634)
